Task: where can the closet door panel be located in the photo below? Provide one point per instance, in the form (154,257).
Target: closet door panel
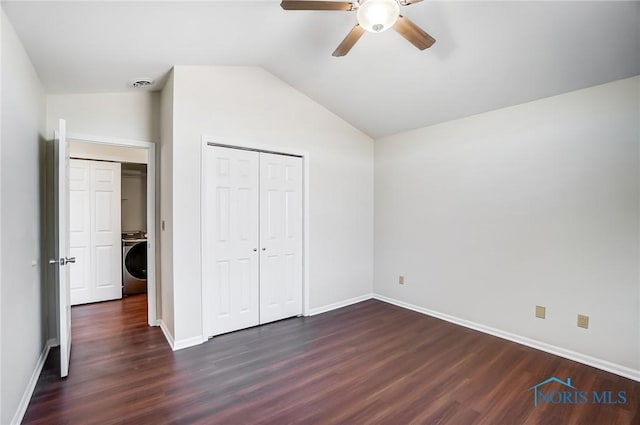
(80,230)
(230,240)
(106,231)
(280,237)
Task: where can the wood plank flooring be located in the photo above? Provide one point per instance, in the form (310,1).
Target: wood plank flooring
(370,363)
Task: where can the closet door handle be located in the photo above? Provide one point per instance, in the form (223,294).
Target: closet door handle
(255,249)
(264,249)
(63,261)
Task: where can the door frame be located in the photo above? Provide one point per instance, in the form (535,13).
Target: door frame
(150,147)
(244,145)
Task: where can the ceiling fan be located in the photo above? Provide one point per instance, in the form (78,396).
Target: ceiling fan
(372,16)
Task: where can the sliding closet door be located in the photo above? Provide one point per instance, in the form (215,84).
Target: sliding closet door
(280,237)
(106,231)
(94,231)
(80,231)
(230,261)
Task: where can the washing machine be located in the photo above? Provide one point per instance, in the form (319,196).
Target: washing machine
(134,263)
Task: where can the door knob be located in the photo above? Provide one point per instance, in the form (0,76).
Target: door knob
(63,261)
(255,249)
(264,249)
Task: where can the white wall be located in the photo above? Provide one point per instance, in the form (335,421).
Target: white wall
(121,115)
(23,121)
(248,104)
(2,20)
(134,199)
(165,207)
(489,215)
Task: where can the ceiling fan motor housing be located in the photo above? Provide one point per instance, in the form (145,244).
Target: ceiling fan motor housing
(378,15)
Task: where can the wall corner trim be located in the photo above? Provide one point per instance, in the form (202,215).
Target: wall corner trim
(538,345)
(167,333)
(181,343)
(31,386)
(339,304)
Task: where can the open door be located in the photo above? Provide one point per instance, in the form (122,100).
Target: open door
(61,186)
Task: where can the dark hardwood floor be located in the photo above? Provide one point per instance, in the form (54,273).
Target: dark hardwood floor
(370,363)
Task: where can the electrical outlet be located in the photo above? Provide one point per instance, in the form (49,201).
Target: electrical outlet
(401,280)
(541,312)
(583,321)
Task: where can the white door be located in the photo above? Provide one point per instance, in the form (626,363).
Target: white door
(106,236)
(63,257)
(280,237)
(80,230)
(230,240)
(95,235)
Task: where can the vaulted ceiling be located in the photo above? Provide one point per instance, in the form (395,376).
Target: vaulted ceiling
(488,55)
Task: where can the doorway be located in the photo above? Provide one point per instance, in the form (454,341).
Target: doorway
(135,162)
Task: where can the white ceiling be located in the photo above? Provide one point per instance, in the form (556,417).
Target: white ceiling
(488,55)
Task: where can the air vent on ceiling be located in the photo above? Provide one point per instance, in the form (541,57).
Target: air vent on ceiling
(140,82)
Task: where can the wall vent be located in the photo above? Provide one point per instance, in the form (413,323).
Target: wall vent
(140,82)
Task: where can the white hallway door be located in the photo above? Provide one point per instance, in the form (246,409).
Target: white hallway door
(252,238)
(94,231)
(63,258)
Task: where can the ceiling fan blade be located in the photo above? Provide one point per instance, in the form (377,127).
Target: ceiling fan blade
(316,5)
(348,42)
(409,2)
(413,33)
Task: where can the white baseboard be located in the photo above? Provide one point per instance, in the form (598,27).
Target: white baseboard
(188,342)
(33,381)
(339,304)
(180,344)
(167,334)
(539,345)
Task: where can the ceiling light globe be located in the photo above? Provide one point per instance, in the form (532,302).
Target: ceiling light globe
(378,15)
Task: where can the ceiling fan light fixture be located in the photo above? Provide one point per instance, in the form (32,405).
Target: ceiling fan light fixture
(378,15)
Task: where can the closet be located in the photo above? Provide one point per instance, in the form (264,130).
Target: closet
(94,231)
(252,238)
